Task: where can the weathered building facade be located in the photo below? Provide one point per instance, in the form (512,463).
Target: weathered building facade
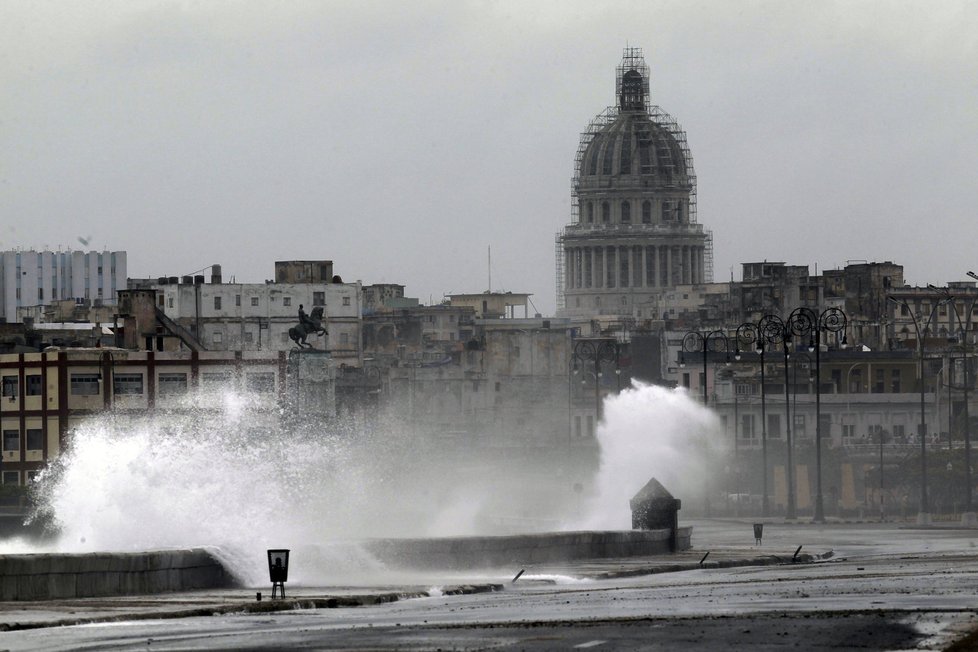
(186,313)
(47,393)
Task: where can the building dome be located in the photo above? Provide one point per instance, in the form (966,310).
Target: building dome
(633,145)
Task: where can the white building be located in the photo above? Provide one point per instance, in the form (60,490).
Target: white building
(37,278)
(258,316)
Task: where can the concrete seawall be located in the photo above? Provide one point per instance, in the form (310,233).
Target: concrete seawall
(459,553)
(58,576)
(55,576)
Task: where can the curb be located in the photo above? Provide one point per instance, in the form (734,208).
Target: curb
(270,606)
(770,560)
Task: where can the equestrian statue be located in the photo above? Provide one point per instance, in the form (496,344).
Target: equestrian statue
(308,324)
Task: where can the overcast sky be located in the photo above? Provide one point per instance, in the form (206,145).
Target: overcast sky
(402,139)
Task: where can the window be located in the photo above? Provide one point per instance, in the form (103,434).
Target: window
(35,384)
(35,439)
(319,298)
(879,385)
(646,212)
(11,440)
(217,303)
(799,425)
(212,379)
(346,301)
(237,300)
(626,212)
(605,212)
(85,384)
(286,301)
(127,384)
(11,477)
(590,212)
(895,381)
(263,382)
(666,211)
(577,427)
(10,386)
(747,426)
(169,302)
(249,337)
(40,294)
(217,337)
(254,302)
(172,383)
(590,425)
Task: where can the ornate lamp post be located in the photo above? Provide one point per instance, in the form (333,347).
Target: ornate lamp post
(968,515)
(923,516)
(702,342)
(751,334)
(771,330)
(597,352)
(805,321)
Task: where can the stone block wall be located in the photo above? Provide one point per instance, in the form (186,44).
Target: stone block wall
(457,553)
(61,576)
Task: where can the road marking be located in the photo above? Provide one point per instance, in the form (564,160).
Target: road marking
(591,644)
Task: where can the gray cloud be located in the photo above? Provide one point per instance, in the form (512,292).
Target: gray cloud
(402,139)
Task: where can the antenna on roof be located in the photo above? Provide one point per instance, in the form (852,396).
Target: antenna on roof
(489,264)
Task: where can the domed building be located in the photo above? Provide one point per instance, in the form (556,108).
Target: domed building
(633,231)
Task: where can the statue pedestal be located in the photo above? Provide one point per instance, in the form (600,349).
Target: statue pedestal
(311,384)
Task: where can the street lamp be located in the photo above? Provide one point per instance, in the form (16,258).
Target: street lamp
(968,515)
(805,321)
(598,352)
(923,515)
(771,330)
(751,334)
(702,341)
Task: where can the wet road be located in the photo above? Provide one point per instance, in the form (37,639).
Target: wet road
(886,589)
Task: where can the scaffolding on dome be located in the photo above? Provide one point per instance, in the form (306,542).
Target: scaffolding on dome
(632,59)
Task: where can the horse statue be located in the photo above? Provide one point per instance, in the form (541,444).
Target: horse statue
(308,324)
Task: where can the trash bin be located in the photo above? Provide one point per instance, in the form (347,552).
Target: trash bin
(278,570)
(758,532)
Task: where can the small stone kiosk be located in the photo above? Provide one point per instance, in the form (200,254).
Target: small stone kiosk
(654,508)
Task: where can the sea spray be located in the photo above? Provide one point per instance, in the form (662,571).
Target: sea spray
(236,476)
(649,431)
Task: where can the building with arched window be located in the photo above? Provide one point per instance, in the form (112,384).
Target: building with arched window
(633,231)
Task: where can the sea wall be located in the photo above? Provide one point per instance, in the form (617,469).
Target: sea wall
(58,576)
(459,553)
